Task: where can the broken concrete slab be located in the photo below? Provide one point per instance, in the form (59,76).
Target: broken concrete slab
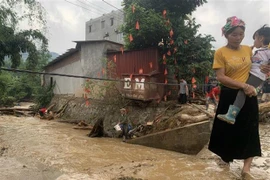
(189,139)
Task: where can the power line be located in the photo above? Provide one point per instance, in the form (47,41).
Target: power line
(83,77)
(78,5)
(85,8)
(112,5)
(87,5)
(98,8)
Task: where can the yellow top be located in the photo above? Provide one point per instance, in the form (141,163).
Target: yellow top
(237,63)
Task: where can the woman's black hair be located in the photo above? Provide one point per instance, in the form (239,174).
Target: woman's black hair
(231,30)
(264,32)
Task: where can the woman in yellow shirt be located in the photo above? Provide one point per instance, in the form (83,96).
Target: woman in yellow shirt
(232,65)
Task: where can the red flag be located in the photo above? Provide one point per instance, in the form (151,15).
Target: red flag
(103,71)
(171,33)
(193,80)
(164,13)
(165,72)
(165,98)
(130,38)
(151,65)
(140,71)
(164,59)
(122,49)
(206,79)
(130,76)
(87,90)
(133,8)
(137,25)
(114,58)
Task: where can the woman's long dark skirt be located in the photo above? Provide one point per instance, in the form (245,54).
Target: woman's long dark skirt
(241,140)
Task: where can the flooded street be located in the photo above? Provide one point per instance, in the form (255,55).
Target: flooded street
(37,149)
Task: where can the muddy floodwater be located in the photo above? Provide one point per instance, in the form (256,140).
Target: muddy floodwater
(33,149)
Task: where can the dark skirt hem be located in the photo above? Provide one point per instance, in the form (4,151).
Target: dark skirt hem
(241,140)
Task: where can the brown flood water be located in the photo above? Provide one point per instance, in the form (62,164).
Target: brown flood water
(37,149)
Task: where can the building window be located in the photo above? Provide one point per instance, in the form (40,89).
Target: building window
(90,28)
(111,21)
(102,24)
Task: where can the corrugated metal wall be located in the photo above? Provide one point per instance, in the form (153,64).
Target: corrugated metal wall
(130,62)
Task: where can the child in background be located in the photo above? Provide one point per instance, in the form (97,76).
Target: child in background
(212,96)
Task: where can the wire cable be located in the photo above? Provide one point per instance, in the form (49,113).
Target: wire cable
(112,5)
(84,77)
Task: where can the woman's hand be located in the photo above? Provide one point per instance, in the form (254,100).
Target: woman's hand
(265,69)
(250,90)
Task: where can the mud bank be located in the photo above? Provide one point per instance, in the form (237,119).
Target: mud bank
(50,150)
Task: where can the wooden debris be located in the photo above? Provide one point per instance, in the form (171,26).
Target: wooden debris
(264,112)
(264,107)
(193,119)
(16,108)
(50,107)
(83,128)
(161,114)
(202,110)
(18,111)
(82,125)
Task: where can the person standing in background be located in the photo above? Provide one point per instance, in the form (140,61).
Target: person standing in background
(183,92)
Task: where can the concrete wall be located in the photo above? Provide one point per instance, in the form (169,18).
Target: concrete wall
(189,139)
(109,31)
(89,61)
(93,59)
(93,55)
(66,85)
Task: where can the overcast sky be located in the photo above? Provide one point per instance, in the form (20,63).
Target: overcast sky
(66,21)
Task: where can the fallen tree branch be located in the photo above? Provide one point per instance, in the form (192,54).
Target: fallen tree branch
(193,119)
(161,114)
(17,108)
(202,110)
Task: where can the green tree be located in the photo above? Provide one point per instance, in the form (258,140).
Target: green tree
(14,41)
(169,26)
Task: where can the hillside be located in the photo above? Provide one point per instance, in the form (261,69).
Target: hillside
(53,56)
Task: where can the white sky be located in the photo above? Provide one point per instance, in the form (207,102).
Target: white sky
(66,22)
